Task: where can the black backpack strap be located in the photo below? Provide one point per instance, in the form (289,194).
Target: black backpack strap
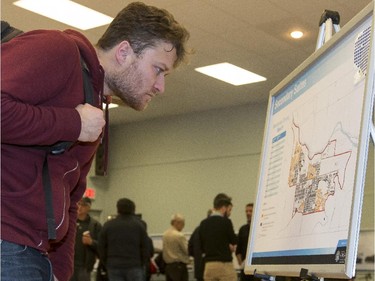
(48,200)
(8,32)
(56,149)
(59,148)
(87,85)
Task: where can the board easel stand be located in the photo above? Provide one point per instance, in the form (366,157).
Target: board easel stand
(264,277)
(305,276)
(328,21)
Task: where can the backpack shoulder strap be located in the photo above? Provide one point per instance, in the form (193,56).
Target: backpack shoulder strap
(87,85)
(59,148)
(8,32)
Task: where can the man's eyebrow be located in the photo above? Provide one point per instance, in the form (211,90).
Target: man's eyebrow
(165,67)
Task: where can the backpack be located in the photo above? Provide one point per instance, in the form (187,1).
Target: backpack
(8,32)
(160,263)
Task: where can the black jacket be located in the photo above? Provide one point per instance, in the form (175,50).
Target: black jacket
(216,233)
(83,253)
(123,243)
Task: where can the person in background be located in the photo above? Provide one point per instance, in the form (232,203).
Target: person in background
(175,250)
(151,252)
(149,260)
(86,245)
(218,241)
(124,245)
(42,103)
(194,247)
(243,236)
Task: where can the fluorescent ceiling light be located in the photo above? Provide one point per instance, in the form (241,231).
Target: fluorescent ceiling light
(230,73)
(67,12)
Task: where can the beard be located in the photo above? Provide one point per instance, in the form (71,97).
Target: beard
(127,84)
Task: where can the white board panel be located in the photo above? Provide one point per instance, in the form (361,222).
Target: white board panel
(312,171)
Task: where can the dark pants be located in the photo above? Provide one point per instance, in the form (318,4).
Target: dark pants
(176,271)
(81,274)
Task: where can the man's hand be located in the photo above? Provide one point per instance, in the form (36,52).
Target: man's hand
(92,121)
(239,259)
(232,248)
(86,238)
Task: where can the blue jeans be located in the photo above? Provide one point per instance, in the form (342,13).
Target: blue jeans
(23,263)
(126,274)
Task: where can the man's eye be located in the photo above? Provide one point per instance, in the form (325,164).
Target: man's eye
(158,70)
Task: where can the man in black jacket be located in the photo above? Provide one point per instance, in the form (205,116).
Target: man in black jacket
(218,241)
(195,250)
(86,244)
(243,237)
(123,244)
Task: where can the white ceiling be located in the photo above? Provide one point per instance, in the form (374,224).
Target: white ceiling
(252,34)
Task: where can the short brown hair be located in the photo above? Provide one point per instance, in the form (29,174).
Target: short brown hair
(143,26)
(221,200)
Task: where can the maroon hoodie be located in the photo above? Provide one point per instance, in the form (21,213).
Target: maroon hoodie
(41,84)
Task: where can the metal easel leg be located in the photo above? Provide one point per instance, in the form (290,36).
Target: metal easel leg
(328,21)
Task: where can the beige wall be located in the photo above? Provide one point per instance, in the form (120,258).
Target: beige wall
(179,163)
(368,216)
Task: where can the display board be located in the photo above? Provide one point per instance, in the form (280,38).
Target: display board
(311,177)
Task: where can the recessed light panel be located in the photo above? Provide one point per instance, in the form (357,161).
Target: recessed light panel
(297,34)
(231,74)
(67,12)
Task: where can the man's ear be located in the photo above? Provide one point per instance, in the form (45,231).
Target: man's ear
(123,51)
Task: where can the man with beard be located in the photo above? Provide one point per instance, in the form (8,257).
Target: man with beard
(218,241)
(42,103)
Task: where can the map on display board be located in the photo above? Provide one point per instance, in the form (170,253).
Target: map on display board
(311,178)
